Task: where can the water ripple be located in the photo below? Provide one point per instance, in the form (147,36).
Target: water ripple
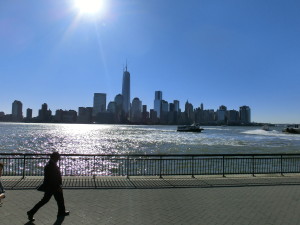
(124,139)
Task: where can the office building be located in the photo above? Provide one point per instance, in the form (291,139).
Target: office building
(119,101)
(126,91)
(157,103)
(145,114)
(222,114)
(171,107)
(119,107)
(189,112)
(136,110)
(153,116)
(99,103)
(245,114)
(45,115)
(65,116)
(111,107)
(85,114)
(17,114)
(233,117)
(29,114)
(176,105)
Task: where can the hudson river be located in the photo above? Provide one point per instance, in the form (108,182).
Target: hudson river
(124,139)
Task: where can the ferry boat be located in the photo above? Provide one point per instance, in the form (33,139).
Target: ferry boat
(293,129)
(190,128)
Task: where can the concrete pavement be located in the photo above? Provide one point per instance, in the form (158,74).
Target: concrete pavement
(182,200)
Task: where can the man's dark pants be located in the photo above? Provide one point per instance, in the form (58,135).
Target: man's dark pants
(59,197)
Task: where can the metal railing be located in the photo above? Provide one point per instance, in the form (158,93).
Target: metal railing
(152,165)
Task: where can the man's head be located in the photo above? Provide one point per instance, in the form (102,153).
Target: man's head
(55,156)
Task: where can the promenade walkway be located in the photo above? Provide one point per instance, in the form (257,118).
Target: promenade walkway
(240,200)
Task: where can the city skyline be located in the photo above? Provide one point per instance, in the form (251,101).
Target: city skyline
(163,112)
(132,109)
(217,53)
(124,111)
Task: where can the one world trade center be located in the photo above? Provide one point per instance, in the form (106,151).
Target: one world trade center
(126,92)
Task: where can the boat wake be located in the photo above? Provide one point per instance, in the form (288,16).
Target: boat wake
(262,132)
(272,133)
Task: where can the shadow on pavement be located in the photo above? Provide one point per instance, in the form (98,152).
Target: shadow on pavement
(59,220)
(152,182)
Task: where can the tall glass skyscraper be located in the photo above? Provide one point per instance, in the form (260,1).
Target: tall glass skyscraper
(157,102)
(126,91)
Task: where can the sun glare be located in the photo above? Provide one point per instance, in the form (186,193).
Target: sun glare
(89,6)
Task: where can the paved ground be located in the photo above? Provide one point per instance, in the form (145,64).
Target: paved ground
(203,200)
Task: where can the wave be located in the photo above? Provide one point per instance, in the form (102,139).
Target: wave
(275,133)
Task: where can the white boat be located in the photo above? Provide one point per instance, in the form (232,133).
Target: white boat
(293,129)
(266,127)
(190,128)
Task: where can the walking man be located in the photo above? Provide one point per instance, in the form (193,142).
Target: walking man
(2,191)
(52,185)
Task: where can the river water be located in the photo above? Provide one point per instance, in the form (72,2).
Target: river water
(124,139)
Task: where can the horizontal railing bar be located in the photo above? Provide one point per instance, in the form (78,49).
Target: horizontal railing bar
(155,155)
(30,164)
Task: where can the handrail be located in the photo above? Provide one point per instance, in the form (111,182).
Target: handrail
(157,155)
(30,164)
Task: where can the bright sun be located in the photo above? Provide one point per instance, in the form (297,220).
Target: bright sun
(89,6)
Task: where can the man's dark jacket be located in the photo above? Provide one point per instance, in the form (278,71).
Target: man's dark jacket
(52,177)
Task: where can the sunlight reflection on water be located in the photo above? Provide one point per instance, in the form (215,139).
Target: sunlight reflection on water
(123,139)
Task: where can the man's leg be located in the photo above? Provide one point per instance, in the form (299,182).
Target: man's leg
(45,199)
(59,197)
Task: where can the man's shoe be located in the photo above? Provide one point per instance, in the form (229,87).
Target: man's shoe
(66,213)
(30,216)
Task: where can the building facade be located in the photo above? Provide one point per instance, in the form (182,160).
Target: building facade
(85,114)
(136,110)
(99,103)
(126,91)
(245,114)
(17,113)
(29,114)
(157,102)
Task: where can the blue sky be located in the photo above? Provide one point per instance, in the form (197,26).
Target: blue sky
(215,52)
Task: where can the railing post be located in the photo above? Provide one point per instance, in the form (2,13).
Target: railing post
(253,165)
(160,166)
(24,164)
(281,165)
(127,167)
(193,167)
(223,166)
(94,175)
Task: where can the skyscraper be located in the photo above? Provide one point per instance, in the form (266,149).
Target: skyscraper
(44,114)
(29,114)
(99,103)
(157,102)
(126,91)
(136,110)
(245,114)
(17,114)
(176,105)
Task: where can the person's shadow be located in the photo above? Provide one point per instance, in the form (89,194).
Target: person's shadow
(29,223)
(58,221)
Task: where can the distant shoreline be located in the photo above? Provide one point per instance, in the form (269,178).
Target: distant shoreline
(150,124)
